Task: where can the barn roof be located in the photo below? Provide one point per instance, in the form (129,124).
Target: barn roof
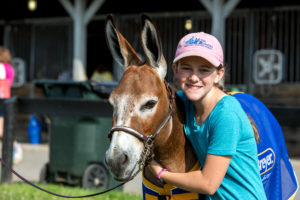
(16,9)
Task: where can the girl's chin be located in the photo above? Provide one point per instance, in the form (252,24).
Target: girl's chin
(193,97)
(193,90)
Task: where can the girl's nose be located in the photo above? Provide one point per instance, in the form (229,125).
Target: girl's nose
(194,77)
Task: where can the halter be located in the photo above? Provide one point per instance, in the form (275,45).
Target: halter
(148,141)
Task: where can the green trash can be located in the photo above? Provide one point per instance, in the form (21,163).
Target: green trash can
(77,144)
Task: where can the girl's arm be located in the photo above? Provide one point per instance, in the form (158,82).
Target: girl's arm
(205,181)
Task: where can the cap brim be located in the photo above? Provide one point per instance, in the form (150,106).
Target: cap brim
(204,55)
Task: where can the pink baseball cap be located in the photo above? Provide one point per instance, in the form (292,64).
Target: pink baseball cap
(200,44)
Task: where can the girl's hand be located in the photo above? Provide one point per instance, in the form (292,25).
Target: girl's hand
(155,167)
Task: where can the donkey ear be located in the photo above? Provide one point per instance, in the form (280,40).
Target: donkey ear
(119,47)
(152,47)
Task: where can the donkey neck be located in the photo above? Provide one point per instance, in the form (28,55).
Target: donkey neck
(176,153)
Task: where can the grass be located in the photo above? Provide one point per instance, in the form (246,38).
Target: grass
(21,191)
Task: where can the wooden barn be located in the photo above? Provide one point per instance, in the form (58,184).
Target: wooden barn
(261,42)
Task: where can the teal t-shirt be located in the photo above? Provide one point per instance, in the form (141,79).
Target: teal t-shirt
(227,131)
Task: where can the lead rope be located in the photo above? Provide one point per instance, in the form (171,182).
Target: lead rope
(142,163)
(146,156)
(52,193)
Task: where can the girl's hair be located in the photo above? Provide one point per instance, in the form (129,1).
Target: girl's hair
(218,85)
(254,127)
(5,55)
(256,135)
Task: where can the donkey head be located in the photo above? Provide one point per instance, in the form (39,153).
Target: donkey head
(140,101)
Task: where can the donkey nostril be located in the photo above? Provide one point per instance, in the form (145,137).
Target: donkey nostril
(105,161)
(125,159)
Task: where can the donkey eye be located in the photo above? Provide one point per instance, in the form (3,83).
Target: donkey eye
(149,105)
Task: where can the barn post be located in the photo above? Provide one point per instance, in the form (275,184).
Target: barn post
(219,11)
(81,17)
(8,138)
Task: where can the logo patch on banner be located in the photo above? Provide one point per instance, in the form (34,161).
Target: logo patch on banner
(266,161)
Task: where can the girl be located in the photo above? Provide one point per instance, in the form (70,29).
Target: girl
(6,80)
(217,126)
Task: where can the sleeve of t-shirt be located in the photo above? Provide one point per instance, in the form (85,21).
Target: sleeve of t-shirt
(224,133)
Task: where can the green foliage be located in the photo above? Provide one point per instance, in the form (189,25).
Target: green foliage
(21,191)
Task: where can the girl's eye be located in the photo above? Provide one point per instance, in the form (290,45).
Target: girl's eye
(184,68)
(204,70)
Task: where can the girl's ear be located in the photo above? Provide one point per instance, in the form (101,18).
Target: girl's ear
(220,74)
(175,69)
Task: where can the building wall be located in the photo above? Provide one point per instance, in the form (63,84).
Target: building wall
(46,45)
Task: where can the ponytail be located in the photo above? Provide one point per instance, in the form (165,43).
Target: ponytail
(254,127)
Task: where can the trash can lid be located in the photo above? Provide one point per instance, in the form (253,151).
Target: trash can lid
(103,88)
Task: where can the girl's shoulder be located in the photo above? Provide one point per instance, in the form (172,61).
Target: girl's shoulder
(228,103)
(228,108)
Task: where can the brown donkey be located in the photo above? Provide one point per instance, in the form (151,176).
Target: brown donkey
(142,103)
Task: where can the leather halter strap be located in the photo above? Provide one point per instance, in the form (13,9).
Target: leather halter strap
(139,135)
(128,130)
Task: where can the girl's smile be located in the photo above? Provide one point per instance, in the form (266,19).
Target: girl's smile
(192,87)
